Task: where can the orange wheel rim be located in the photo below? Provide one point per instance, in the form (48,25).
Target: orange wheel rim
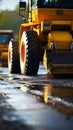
(23,52)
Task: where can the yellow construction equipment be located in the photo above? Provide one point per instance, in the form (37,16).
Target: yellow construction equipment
(5,37)
(49,29)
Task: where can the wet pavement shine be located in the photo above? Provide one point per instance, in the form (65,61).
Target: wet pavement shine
(35,103)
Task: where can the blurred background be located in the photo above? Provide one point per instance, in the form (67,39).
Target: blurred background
(9,16)
(10,22)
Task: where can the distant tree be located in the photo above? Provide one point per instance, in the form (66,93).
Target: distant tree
(11,20)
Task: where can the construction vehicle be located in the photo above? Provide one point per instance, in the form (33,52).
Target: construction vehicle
(5,37)
(49,30)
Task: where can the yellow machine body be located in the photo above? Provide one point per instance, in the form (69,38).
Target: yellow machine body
(54,26)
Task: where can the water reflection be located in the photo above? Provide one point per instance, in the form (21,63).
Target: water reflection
(56,96)
(60,97)
(63,92)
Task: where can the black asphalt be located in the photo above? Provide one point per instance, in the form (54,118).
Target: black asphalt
(27,103)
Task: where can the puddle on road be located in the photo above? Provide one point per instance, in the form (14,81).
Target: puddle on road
(56,96)
(57,93)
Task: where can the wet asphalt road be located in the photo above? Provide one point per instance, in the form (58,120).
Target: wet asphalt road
(35,103)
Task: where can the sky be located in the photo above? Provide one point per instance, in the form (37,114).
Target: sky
(8,4)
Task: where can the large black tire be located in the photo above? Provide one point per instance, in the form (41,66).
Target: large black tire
(13,57)
(29,53)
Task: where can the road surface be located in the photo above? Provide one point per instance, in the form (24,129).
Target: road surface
(35,103)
